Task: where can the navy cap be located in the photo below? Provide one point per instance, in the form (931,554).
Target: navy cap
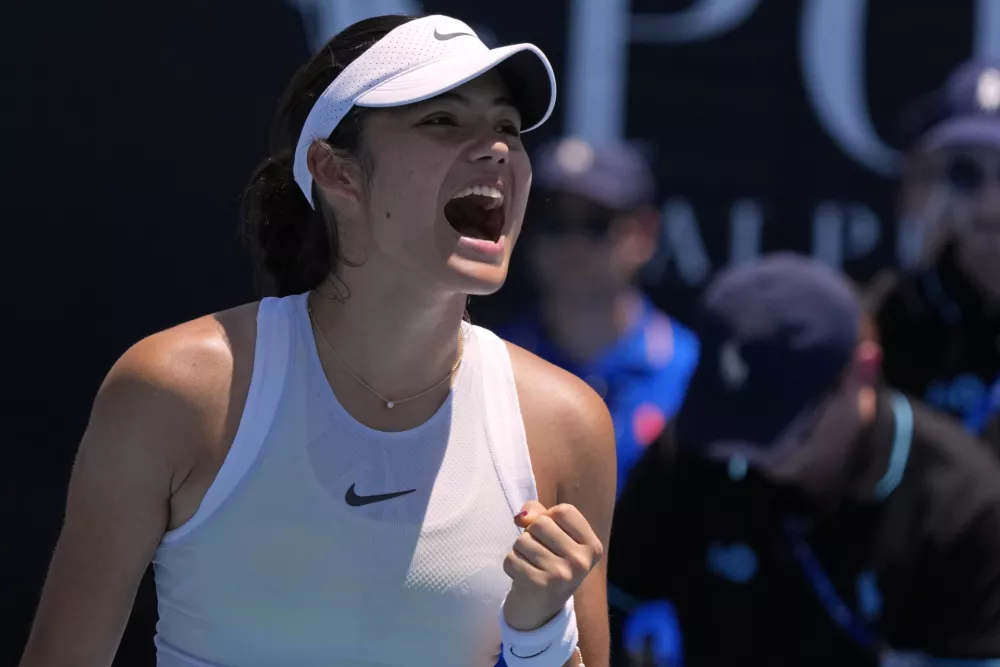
(776,336)
(971,107)
(615,175)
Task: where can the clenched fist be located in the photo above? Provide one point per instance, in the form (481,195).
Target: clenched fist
(550,559)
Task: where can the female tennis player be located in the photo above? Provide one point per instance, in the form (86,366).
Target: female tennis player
(349,473)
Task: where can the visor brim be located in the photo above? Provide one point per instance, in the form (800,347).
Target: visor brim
(525,69)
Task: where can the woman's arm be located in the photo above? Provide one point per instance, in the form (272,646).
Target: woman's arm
(572,445)
(588,483)
(148,418)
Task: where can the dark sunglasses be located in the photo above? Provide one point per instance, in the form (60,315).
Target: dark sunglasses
(593,226)
(967,175)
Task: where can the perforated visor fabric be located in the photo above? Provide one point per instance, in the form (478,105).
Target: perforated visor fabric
(417,61)
(520,65)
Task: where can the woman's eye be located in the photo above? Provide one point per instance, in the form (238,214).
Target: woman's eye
(511,129)
(439,120)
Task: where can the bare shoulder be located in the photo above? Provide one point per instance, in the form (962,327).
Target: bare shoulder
(158,424)
(180,356)
(568,424)
(179,384)
(558,394)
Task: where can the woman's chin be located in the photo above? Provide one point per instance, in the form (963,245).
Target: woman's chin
(474,277)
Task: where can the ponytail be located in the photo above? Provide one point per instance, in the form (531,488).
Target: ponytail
(288,237)
(296,247)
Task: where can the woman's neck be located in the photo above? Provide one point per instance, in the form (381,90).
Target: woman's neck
(399,339)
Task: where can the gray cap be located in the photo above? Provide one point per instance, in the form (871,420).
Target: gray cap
(971,107)
(616,175)
(775,334)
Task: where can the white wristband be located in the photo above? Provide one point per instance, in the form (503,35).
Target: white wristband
(548,646)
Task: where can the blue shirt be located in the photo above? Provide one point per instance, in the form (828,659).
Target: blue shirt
(642,377)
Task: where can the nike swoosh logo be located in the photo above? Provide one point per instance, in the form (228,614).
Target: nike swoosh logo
(451,35)
(354,500)
(533,655)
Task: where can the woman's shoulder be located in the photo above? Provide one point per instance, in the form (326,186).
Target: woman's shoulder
(194,355)
(556,393)
(563,414)
(570,437)
(186,377)
(177,395)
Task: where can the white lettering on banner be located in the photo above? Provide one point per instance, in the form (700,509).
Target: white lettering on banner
(864,231)
(841,231)
(746,225)
(680,245)
(703,20)
(987,26)
(832,49)
(828,234)
(600,32)
(831,44)
(596,69)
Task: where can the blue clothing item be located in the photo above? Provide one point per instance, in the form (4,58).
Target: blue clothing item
(655,628)
(967,398)
(642,377)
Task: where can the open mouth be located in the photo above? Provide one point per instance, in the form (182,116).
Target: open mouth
(477,212)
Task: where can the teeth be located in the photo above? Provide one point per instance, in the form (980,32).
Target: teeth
(483,191)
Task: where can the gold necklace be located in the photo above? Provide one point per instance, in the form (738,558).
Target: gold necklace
(391,404)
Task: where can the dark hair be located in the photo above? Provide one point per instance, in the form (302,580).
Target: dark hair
(296,246)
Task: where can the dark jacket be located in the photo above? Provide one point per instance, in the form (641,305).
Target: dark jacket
(941,343)
(918,572)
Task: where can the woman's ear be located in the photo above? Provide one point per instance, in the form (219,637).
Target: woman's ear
(340,178)
(868,362)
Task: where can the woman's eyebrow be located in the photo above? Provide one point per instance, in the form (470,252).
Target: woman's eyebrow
(453,96)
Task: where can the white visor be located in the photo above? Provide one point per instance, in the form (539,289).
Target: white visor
(419,60)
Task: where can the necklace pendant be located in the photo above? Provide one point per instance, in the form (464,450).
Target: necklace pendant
(389,404)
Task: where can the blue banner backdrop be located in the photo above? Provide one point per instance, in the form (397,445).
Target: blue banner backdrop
(137,126)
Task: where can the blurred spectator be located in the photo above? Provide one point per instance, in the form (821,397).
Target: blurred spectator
(940,323)
(797,512)
(919,199)
(590,228)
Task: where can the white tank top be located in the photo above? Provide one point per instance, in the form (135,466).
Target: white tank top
(292,559)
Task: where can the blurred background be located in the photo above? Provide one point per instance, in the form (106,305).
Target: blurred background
(132,128)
